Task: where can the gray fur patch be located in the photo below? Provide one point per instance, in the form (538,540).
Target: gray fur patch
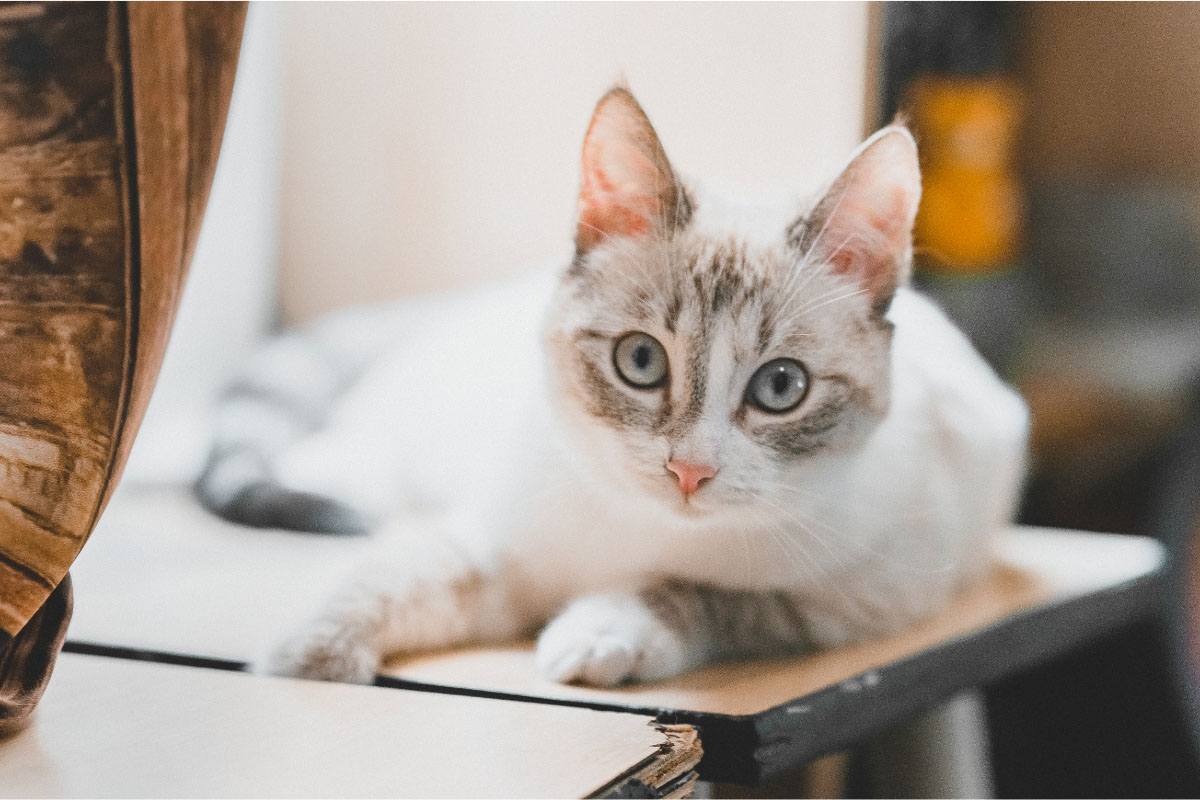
(804,436)
(285,392)
(608,402)
(727,623)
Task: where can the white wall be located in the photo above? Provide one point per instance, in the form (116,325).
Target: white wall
(432,145)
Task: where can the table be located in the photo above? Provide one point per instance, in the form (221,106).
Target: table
(163,577)
(117,727)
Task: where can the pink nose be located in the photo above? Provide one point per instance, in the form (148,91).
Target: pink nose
(690,475)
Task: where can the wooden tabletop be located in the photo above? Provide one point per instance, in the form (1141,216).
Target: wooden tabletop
(118,728)
(161,575)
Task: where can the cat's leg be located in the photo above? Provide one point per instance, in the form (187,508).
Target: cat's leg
(424,590)
(665,629)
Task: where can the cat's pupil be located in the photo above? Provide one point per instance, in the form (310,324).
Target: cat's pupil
(641,357)
(779,382)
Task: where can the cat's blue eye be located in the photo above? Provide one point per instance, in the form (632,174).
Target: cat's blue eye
(640,361)
(778,386)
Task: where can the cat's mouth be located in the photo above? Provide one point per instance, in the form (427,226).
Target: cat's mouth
(699,504)
(689,509)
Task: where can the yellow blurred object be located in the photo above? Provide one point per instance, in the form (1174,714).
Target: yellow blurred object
(970,221)
(972,210)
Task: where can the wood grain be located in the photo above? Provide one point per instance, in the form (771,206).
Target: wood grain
(109,131)
(115,728)
(182,60)
(64,300)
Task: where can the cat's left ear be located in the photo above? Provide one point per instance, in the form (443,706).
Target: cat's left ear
(862,227)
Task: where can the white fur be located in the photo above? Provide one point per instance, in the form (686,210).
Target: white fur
(458,417)
(513,506)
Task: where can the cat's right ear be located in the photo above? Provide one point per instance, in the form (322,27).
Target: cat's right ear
(627,186)
(863,226)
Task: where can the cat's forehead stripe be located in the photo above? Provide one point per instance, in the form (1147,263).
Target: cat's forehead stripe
(698,372)
(725,279)
(674,306)
(766,330)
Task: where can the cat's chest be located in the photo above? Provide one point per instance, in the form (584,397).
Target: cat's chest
(579,542)
(573,542)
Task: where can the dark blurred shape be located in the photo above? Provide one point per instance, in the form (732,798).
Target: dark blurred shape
(959,39)
(1109,372)
(947,70)
(1127,249)
(1101,722)
(1061,154)
(1118,719)
(1176,520)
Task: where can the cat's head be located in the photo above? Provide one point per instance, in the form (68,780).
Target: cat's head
(702,354)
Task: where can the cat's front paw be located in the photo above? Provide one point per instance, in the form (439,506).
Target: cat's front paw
(325,651)
(609,640)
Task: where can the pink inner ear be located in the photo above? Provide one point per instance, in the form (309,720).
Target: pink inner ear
(618,197)
(598,222)
(867,236)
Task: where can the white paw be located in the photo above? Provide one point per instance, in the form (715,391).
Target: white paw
(607,640)
(325,651)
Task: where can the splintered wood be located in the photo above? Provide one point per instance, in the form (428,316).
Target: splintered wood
(672,773)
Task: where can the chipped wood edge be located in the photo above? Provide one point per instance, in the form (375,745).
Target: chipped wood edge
(670,773)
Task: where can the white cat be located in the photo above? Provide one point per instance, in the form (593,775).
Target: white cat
(720,432)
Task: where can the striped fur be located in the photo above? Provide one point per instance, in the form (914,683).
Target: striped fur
(283,394)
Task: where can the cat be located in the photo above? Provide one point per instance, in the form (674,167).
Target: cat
(722,431)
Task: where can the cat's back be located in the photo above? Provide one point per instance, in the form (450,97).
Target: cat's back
(934,362)
(466,347)
(444,399)
(960,429)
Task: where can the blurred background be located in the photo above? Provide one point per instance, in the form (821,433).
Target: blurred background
(379,150)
